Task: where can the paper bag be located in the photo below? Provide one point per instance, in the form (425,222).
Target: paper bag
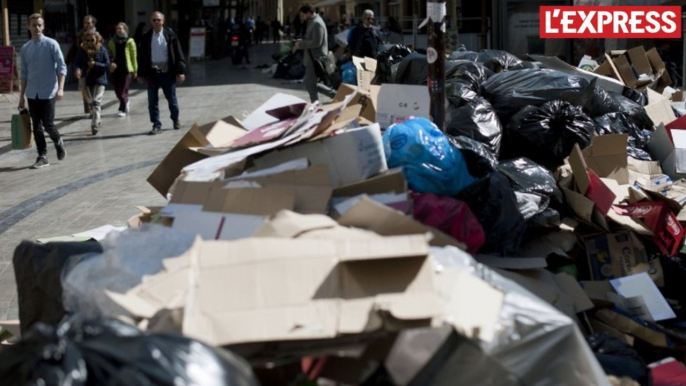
(22,137)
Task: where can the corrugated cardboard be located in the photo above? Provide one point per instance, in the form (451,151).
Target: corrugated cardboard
(370,215)
(625,71)
(352,156)
(662,149)
(659,108)
(252,201)
(367,99)
(659,69)
(217,226)
(391,181)
(366,68)
(639,60)
(307,289)
(191,192)
(216,134)
(397,102)
(607,157)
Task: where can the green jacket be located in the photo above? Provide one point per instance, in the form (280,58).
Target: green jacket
(131,55)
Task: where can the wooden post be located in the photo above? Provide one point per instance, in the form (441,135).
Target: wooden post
(436,11)
(5,24)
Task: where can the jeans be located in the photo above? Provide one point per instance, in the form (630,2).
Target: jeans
(43,119)
(121,82)
(95,94)
(310,81)
(168,84)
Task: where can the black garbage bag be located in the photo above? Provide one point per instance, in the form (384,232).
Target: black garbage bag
(529,177)
(464,79)
(413,69)
(619,359)
(38,272)
(480,161)
(635,111)
(110,352)
(640,97)
(498,61)
(510,91)
(602,103)
(547,134)
(291,66)
(620,123)
(494,203)
(476,119)
(464,55)
(385,61)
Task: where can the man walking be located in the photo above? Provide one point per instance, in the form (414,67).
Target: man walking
(162,63)
(364,39)
(42,82)
(315,46)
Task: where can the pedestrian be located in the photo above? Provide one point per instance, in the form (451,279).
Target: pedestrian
(315,46)
(92,63)
(364,39)
(42,82)
(259,30)
(162,64)
(124,65)
(276,29)
(89,23)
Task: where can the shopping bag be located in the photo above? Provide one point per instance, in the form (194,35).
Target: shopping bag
(22,136)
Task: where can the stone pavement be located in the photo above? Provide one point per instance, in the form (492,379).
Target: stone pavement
(103,177)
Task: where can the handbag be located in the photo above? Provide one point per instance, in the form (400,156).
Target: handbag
(22,136)
(325,65)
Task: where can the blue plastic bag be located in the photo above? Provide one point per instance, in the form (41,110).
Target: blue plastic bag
(349,73)
(430,163)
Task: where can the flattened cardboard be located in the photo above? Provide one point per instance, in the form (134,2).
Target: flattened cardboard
(391,181)
(367,99)
(352,156)
(370,215)
(659,109)
(625,71)
(662,149)
(259,117)
(307,289)
(191,192)
(164,175)
(397,102)
(217,226)
(251,201)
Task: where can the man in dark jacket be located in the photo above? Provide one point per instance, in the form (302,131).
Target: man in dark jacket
(162,64)
(364,39)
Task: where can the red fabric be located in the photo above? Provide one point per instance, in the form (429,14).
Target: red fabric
(450,216)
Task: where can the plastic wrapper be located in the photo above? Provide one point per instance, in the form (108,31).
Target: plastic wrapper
(619,123)
(463,81)
(618,359)
(640,97)
(510,91)
(430,163)
(498,61)
(452,217)
(413,69)
(476,119)
(494,203)
(527,176)
(534,345)
(385,61)
(82,352)
(38,271)
(126,258)
(547,134)
(480,161)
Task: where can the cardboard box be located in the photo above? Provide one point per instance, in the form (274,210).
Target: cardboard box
(307,289)
(659,218)
(620,254)
(397,102)
(366,99)
(659,108)
(366,69)
(251,201)
(391,181)
(217,134)
(663,150)
(352,156)
(626,65)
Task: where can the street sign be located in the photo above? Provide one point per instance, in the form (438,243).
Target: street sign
(197,43)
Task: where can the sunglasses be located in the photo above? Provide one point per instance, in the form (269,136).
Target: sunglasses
(90,40)
(369,18)
(156,20)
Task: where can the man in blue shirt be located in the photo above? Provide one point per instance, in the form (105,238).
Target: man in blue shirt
(42,82)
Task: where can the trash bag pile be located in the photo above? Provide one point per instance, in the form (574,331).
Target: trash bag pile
(535,237)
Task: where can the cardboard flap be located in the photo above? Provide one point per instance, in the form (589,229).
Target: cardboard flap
(607,157)
(639,60)
(579,169)
(391,181)
(256,201)
(191,192)
(625,70)
(289,224)
(221,133)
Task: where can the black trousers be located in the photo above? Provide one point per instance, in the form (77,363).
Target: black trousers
(43,119)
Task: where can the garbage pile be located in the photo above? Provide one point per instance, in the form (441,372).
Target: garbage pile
(535,239)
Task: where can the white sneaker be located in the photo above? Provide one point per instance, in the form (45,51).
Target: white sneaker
(121,114)
(128,105)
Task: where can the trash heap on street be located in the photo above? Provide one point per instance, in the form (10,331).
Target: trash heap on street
(535,239)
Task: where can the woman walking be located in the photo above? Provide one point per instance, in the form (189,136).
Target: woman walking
(124,65)
(94,61)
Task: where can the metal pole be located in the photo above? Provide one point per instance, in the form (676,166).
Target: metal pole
(5,24)
(436,11)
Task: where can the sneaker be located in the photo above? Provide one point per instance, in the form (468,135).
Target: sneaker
(177,125)
(121,114)
(155,130)
(41,162)
(61,151)
(95,129)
